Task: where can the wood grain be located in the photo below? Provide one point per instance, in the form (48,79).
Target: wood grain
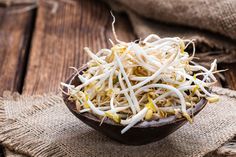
(59,40)
(230,75)
(14,39)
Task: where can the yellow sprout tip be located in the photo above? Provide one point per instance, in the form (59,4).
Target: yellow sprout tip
(115,117)
(213,99)
(150,105)
(186,115)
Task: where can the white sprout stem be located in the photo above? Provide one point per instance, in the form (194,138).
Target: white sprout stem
(138,51)
(95,109)
(91,80)
(205,70)
(82,79)
(134,99)
(119,109)
(146,66)
(154,76)
(210,72)
(197,82)
(112,102)
(110,82)
(160,41)
(194,49)
(89,109)
(125,122)
(114,32)
(102,80)
(151,36)
(170,92)
(126,94)
(138,78)
(135,119)
(143,97)
(157,47)
(93,56)
(106,51)
(106,108)
(175,90)
(98,99)
(67,85)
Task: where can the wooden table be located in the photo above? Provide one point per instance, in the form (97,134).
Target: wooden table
(38,46)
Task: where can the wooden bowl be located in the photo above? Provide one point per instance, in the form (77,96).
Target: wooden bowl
(142,133)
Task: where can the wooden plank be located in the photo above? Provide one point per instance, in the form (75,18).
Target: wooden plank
(14,40)
(14,36)
(230,75)
(59,40)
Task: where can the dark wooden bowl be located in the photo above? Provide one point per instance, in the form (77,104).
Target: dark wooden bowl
(142,133)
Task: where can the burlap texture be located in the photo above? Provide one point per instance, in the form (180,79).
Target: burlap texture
(43,126)
(218,16)
(212,23)
(213,15)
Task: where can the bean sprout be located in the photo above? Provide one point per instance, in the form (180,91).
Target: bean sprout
(142,80)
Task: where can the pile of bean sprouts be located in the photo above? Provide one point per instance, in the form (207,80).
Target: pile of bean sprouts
(142,80)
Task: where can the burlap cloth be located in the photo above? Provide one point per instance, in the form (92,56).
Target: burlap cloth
(43,126)
(212,23)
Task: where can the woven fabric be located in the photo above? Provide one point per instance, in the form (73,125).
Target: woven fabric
(213,15)
(211,23)
(43,126)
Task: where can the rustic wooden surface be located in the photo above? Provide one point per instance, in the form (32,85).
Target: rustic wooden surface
(14,37)
(230,75)
(59,40)
(15,32)
(58,37)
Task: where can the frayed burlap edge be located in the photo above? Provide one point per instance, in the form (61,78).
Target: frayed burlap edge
(9,129)
(224,91)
